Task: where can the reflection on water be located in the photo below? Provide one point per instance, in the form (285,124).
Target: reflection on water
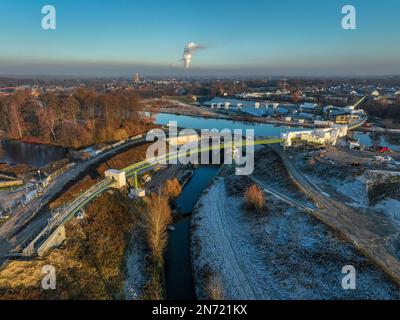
(17,152)
(377,139)
(192,191)
(260,129)
(270,130)
(178,268)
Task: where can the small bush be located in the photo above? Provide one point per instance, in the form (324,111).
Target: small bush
(154,288)
(214,288)
(254,198)
(172,189)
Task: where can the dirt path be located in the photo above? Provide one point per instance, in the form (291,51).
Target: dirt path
(221,248)
(247,292)
(370,233)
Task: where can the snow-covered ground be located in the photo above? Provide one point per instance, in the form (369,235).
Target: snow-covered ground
(355,189)
(282,253)
(135,268)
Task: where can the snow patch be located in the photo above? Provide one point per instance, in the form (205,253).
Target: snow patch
(135,268)
(282,253)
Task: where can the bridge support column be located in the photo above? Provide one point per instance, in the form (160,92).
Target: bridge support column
(118,176)
(29,250)
(136,192)
(55,239)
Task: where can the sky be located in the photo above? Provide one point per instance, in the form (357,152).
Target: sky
(252,37)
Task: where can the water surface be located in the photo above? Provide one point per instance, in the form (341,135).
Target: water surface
(178,269)
(34,155)
(260,129)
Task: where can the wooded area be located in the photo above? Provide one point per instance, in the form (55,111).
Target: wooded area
(388,113)
(72,120)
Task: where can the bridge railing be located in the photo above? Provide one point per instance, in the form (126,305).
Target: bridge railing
(64,213)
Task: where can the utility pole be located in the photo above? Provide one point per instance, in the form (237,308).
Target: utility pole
(136,181)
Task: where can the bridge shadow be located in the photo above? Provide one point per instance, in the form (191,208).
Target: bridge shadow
(5,247)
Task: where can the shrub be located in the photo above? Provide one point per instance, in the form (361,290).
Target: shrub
(214,288)
(254,198)
(154,288)
(172,189)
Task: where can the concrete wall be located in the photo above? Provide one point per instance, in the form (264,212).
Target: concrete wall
(118,176)
(56,238)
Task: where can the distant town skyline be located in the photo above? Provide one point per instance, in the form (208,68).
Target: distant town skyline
(247,38)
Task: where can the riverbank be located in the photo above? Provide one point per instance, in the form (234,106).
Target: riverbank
(73,148)
(379,130)
(125,272)
(195,111)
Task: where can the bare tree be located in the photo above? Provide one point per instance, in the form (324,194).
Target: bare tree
(388,123)
(48,118)
(15,120)
(157,219)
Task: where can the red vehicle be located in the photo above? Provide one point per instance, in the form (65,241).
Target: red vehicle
(384,150)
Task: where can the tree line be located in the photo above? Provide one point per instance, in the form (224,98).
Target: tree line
(78,119)
(388,112)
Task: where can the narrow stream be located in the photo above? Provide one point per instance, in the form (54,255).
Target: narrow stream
(178,269)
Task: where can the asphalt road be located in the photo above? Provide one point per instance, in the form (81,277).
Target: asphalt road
(27,219)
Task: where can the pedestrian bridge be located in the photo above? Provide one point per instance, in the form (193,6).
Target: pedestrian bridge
(52,233)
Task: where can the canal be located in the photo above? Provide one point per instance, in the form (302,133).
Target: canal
(178,269)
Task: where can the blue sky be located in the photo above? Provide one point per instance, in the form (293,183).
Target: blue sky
(260,37)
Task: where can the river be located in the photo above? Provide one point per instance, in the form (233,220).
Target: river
(178,269)
(260,129)
(370,139)
(270,130)
(34,155)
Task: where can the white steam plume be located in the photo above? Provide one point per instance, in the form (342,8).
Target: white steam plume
(188,53)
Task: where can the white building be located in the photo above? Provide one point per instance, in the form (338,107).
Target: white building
(318,136)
